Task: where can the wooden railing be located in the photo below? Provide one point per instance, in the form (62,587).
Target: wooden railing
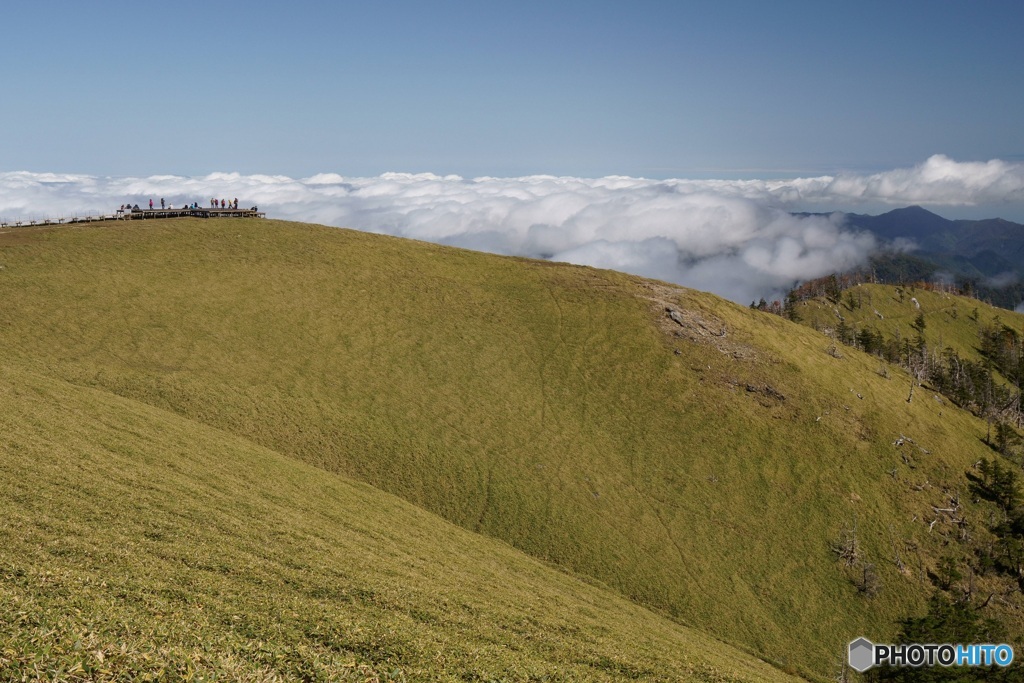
(141,214)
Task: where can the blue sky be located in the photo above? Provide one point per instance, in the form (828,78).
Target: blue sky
(652,89)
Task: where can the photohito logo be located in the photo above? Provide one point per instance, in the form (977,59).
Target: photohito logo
(863,654)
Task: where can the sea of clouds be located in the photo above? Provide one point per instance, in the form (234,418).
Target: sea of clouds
(737,238)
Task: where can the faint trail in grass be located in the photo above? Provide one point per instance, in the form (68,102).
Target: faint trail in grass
(571,355)
(646,499)
(487,501)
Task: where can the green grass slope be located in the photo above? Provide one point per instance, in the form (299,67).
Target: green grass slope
(138,545)
(950,320)
(702,467)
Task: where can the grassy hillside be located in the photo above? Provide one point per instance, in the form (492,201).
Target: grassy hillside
(703,467)
(950,320)
(141,546)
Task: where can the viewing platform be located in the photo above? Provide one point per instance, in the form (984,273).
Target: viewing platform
(140,214)
(201,212)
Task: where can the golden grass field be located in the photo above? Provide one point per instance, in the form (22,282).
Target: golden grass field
(247,447)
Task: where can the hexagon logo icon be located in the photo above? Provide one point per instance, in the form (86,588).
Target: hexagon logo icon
(862,655)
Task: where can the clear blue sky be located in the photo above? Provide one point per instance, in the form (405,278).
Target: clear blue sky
(656,89)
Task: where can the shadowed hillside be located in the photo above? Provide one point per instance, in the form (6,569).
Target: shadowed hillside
(142,546)
(706,464)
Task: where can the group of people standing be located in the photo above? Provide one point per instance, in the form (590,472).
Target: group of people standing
(214,203)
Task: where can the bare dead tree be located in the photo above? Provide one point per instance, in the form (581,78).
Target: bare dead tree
(918,368)
(843,673)
(895,551)
(846,547)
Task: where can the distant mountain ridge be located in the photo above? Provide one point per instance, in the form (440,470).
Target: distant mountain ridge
(991,246)
(984,256)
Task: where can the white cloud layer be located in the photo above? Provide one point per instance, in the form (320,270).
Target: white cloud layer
(735,238)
